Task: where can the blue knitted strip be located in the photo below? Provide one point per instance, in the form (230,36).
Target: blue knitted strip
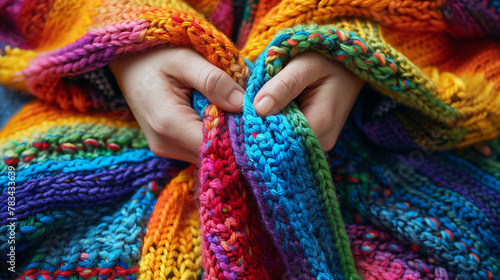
(279,156)
(199,102)
(472,170)
(110,241)
(39,225)
(265,200)
(81,165)
(464,219)
(77,189)
(467,223)
(488,201)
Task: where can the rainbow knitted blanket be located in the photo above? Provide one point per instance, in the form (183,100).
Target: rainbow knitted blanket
(402,195)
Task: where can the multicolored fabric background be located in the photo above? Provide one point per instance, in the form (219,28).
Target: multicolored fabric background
(402,195)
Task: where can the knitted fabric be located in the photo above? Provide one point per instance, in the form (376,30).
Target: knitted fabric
(93,202)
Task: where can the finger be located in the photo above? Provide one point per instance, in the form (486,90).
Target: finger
(178,153)
(484,149)
(186,132)
(190,129)
(178,141)
(214,83)
(173,129)
(327,141)
(288,84)
(327,106)
(325,112)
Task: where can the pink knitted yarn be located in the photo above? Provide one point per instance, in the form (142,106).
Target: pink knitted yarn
(378,256)
(223,17)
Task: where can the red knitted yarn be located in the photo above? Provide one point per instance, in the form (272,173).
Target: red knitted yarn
(228,231)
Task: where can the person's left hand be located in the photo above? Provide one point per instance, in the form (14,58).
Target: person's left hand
(326,92)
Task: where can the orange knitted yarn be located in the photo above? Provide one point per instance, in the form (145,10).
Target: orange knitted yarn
(261,180)
(113,11)
(172,248)
(188,30)
(414,15)
(168,25)
(205,7)
(56,23)
(466,75)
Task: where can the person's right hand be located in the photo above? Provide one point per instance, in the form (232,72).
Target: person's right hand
(157,86)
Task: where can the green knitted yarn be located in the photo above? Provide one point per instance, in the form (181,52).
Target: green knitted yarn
(323,179)
(364,60)
(80,140)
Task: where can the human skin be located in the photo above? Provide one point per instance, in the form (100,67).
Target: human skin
(158,85)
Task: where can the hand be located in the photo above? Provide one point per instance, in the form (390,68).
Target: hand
(157,86)
(325,89)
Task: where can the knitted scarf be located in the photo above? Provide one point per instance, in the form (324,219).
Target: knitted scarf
(84,198)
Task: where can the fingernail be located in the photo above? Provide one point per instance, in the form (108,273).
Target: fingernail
(236,98)
(265,105)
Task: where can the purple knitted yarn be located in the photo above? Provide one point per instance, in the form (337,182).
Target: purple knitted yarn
(470,18)
(81,189)
(388,132)
(378,256)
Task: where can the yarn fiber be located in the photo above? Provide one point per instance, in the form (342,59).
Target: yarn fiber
(394,199)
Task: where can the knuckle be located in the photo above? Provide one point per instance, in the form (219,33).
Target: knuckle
(327,132)
(158,149)
(182,55)
(294,80)
(328,144)
(290,85)
(159,125)
(320,123)
(210,78)
(311,60)
(328,140)
(180,61)
(312,64)
(327,125)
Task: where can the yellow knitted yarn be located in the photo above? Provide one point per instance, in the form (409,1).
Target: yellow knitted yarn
(11,63)
(172,245)
(166,4)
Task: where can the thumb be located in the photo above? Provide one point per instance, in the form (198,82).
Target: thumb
(286,85)
(215,84)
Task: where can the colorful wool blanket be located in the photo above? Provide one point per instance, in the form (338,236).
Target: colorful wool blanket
(402,195)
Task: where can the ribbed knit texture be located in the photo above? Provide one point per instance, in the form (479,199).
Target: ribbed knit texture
(394,199)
